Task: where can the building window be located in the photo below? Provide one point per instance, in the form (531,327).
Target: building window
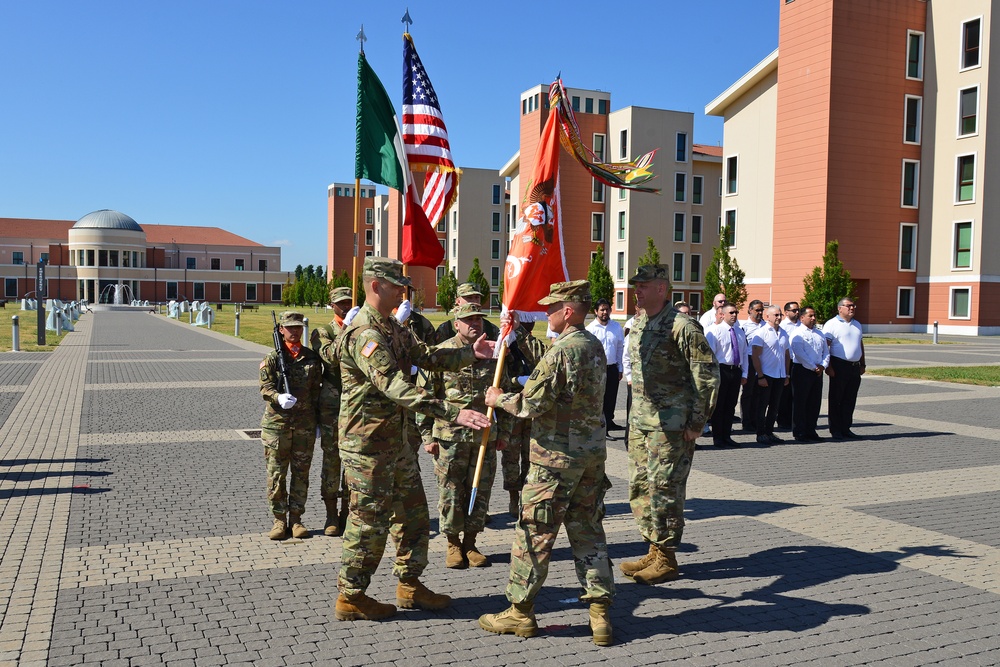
(90,258)
(596,226)
(444,246)
(495,249)
(495,276)
(623,145)
(728,230)
(496,194)
(136,257)
(694,300)
(680,186)
(682,147)
(962,242)
(454,221)
(275,292)
(731,174)
(80,258)
(262,265)
(191,263)
(443,225)
(621,225)
(172,289)
(678,267)
(102,257)
(619,300)
(911,184)
(602,107)
(697,189)
(965,190)
(225,291)
(676,297)
(240,264)
(679,227)
(369,237)
(622,194)
(125,258)
(599,147)
(439,275)
(251,291)
(968,111)
(695,229)
(588,105)
(10,288)
(576,103)
(496,222)
(961,307)
(598,191)
(907,247)
(696,268)
(620,266)
(199,291)
(18,257)
(912,113)
(914,55)
(970,43)
(216,264)
(454,247)
(904,302)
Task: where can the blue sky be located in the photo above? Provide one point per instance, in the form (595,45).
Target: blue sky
(238,114)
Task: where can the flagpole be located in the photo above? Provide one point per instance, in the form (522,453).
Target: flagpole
(357,217)
(501,358)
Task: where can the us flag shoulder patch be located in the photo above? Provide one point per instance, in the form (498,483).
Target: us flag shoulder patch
(369,349)
(262,364)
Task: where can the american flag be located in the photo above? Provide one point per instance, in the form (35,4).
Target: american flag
(425,137)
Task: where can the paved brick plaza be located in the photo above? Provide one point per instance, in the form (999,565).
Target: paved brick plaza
(134,521)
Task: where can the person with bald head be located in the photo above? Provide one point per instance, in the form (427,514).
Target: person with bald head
(773,363)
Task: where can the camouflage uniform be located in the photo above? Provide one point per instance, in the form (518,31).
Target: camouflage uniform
(382,476)
(328,408)
(566,481)
(289,435)
(455,464)
(515,459)
(446,331)
(675,380)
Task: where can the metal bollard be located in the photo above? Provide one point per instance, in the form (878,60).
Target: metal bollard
(935,332)
(190,316)
(237,333)
(305,330)
(16,333)
(58,324)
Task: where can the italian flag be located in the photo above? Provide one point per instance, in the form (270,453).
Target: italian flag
(381,158)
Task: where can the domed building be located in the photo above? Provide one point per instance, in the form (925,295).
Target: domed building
(88,258)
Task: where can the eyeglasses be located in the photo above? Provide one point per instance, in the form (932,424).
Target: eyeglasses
(758,310)
(848,305)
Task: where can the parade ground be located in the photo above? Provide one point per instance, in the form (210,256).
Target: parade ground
(134,523)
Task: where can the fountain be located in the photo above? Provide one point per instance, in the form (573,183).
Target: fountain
(116,296)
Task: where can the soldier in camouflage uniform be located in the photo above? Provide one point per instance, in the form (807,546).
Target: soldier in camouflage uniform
(467,293)
(288,427)
(456,449)
(322,341)
(675,380)
(514,459)
(375,354)
(566,481)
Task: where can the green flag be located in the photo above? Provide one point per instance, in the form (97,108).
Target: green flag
(379,144)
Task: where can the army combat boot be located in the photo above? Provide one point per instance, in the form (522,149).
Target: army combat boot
(472,554)
(454,559)
(663,568)
(298,530)
(518,620)
(629,568)
(332,527)
(280,529)
(600,623)
(411,594)
(361,607)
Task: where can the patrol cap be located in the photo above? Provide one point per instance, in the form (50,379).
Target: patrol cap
(387,269)
(292,318)
(651,272)
(574,290)
(340,294)
(469,289)
(466,310)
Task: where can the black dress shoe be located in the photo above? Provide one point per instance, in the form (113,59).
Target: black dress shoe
(851,435)
(733,443)
(763,439)
(800,437)
(815,437)
(785,427)
(607,434)
(836,435)
(775,439)
(615,427)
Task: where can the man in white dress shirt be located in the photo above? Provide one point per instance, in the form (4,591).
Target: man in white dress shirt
(748,400)
(709,317)
(810,358)
(729,345)
(772,362)
(847,365)
(789,323)
(612,338)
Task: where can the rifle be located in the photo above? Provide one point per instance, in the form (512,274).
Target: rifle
(279,348)
(345,504)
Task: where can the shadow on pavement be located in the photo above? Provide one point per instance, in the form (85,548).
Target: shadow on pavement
(7,494)
(26,476)
(25,462)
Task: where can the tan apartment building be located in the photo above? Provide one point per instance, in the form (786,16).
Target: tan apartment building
(868,126)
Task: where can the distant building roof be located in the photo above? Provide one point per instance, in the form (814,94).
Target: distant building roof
(163,234)
(705,149)
(58,231)
(28,228)
(107,219)
(760,71)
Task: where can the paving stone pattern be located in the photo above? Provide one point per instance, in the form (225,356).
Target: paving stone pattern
(15,370)
(136,519)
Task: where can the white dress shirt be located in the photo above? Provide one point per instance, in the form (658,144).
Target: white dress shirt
(612,338)
(774,347)
(845,338)
(809,348)
(749,327)
(721,343)
(707,319)
(789,327)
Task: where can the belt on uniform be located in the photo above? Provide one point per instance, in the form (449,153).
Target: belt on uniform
(730,366)
(845,361)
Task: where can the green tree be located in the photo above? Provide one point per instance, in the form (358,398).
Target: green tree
(724,276)
(827,284)
(652,255)
(287,296)
(477,278)
(601,284)
(447,291)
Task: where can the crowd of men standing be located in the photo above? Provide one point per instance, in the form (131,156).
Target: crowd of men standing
(379,384)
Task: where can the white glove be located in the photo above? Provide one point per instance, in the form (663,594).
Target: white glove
(286,401)
(403,312)
(522,379)
(350,315)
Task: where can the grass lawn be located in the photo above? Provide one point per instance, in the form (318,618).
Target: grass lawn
(878,340)
(28,320)
(987,376)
